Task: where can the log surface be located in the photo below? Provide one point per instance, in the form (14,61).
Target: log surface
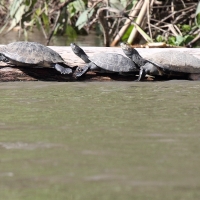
(8,73)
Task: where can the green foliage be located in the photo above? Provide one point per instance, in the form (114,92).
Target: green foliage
(66,31)
(186,28)
(53,19)
(70,31)
(180,40)
(160,38)
(197,20)
(176,40)
(76,7)
(117,4)
(197,15)
(127,33)
(29,13)
(17,10)
(84,17)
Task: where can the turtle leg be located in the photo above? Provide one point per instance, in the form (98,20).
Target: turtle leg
(81,71)
(150,69)
(142,74)
(62,69)
(3,58)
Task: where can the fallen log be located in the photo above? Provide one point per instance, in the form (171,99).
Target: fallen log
(10,73)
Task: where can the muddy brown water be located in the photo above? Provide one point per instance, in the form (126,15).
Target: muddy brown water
(100,140)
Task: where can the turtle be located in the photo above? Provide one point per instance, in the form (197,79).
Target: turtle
(103,62)
(33,54)
(168,62)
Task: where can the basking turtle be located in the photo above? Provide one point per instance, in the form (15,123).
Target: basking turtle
(103,62)
(32,54)
(165,62)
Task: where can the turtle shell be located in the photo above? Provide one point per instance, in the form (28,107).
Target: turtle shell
(113,62)
(30,53)
(175,61)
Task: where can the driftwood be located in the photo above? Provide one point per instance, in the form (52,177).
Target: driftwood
(10,73)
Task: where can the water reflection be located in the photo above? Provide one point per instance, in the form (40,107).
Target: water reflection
(36,36)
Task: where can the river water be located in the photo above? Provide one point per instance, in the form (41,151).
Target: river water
(100,140)
(36,36)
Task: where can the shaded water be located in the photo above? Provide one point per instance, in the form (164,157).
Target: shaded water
(36,36)
(110,140)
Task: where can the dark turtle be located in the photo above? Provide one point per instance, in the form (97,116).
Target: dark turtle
(165,62)
(103,62)
(32,54)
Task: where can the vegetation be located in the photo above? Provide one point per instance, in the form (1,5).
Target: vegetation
(173,22)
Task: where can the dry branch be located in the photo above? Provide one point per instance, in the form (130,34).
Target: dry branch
(132,15)
(139,21)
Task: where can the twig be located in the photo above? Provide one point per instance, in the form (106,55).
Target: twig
(193,41)
(59,9)
(149,16)
(43,31)
(53,29)
(103,22)
(61,6)
(127,23)
(138,21)
(100,16)
(175,12)
(160,29)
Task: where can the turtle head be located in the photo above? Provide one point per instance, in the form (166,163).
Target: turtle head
(79,52)
(76,49)
(128,50)
(133,54)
